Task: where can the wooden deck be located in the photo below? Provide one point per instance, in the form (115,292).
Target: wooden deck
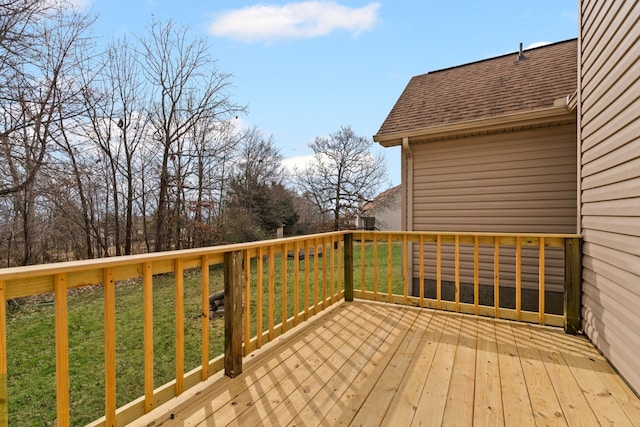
(368,364)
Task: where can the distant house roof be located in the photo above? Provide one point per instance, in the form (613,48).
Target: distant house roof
(380,200)
(490,88)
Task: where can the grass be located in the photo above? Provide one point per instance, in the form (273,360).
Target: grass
(31,349)
(31,345)
(397,284)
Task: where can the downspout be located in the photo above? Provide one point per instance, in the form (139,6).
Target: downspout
(408,179)
(408,206)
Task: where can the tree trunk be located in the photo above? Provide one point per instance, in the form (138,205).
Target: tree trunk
(161,211)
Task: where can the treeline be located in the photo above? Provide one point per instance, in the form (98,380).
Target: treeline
(134,146)
(127,149)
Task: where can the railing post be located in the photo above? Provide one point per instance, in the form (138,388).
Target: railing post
(573,285)
(348,267)
(233,313)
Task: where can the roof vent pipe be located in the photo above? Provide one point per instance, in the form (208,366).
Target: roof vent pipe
(520,54)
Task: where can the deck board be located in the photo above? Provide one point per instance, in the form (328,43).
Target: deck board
(405,403)
(516,404)
(487,409)
(371,364)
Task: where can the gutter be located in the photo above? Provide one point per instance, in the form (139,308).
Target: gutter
(563,108)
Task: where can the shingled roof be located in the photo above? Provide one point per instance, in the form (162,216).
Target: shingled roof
(490,88)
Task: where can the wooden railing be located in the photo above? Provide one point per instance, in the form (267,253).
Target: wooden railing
(272,286)
(488,266)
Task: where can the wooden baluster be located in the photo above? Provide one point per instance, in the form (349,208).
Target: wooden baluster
(179,298)
(389,269)
(439,271)
(332,246)
(476,275)
(518,278)
(306,279)
(324,273)
(457,271)
(375,267)
(204,282)
(422,270)
(541,280)
(247,302)
(110,346)
(405,268)
(272,290)
(316,282)
(340,290)
(259,311)
(296,284)
(284,312)
(62,349)
(147,312)
(496,276)
(362,266)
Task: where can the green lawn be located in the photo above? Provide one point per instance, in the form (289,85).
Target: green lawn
(31,346)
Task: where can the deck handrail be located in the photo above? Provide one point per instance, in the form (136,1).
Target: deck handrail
(324,282)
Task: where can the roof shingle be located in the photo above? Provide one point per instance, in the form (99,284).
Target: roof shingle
(488,88)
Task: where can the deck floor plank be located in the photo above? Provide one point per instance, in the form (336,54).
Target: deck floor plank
(574,403)
(373,411)
(516,404)
(487,409)
(460,398)
(314,413)
(588,371)
(253,383)
(309,388)
(377,364)
(304,365)
(358,391)
(430,408)
(403,408)
(546,407)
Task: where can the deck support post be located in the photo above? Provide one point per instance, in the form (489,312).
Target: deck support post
(573,285)
(233,313)
(348,267)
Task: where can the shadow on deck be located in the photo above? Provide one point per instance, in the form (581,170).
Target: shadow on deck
(364,363)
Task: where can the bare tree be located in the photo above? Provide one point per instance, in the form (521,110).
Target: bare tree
(257,194)
(343,175)
(114,122)
(41,45)
(213,154)
(188,89)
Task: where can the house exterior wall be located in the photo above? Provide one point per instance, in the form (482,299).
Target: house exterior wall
(608,108)
(521,181)
(388,214)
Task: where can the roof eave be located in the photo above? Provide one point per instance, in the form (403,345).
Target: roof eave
(487,124)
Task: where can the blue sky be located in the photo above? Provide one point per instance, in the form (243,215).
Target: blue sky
(304,68)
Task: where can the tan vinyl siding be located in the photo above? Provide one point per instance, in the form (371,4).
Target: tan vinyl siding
(512,182)
(610,180)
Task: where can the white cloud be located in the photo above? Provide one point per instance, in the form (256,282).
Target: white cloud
(293,21)
(299,162)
